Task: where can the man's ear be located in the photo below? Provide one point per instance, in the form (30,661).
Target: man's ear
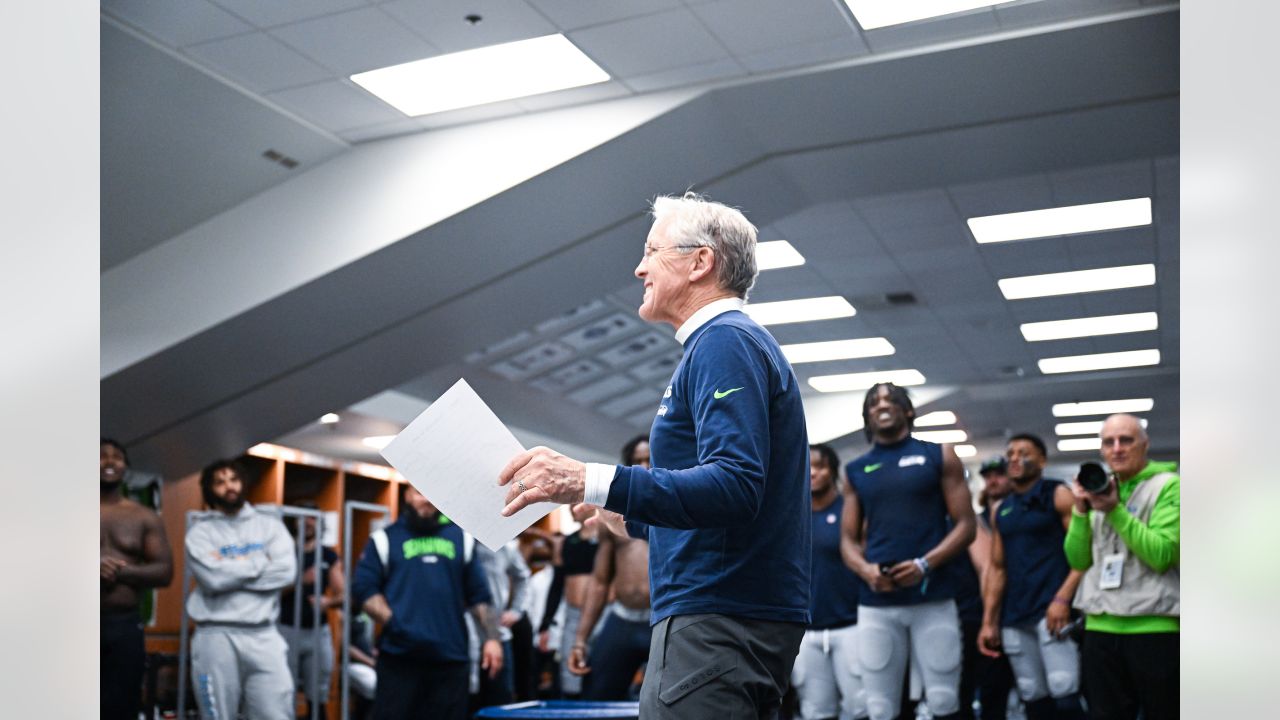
(704,263)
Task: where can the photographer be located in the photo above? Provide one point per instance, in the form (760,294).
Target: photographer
(1124,536)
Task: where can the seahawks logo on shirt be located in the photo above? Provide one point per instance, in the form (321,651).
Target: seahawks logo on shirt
(910,460)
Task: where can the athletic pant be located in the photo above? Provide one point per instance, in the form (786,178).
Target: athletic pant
(987,678)
(887,636)
(522,658)
(570,684)
(1043,665)
(826,677)
(1125,674)
(618,651)
(409,689)
(303,642)
(124,656)
(717,666)
(233,665)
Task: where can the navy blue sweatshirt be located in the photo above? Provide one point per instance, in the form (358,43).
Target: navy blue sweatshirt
(727,500)
(429,585)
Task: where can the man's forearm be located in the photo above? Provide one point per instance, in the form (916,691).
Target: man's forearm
(378,609)
(956,540)
(1067,591)
(592,604)
(146,575)
(992,594)
(486,619)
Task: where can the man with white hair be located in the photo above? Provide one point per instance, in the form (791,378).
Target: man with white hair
(1126,540)
(725,505)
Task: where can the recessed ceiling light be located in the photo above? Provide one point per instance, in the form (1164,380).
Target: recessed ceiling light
(377,442)
(934,419)
(1103,407)
(1077,281)
(965,451)
(863,380)
(872,14)
(1052,222)
(1075,444)
(1086,327)
(776,254)
(941,436)
(329,418)
(1099,361)
(482,75)
(803,310)
(1088,427)
(837,350)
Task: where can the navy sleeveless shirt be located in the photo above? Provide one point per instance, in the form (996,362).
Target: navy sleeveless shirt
(833,587)
(1034,562)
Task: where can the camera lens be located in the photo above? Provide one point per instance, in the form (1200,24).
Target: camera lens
(1092,477)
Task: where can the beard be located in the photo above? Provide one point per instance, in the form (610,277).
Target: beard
(421,524)
(228,506)
(110,486)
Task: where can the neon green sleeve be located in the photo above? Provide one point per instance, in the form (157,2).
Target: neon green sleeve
(1156,543)
(1079,541)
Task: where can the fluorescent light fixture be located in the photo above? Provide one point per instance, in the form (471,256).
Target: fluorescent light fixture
(965,451)
(776,254)
(328,418)
(1103,407)
(863,380)
(483,75)
(1052,222)
(874,14)
(377,442)
(1076,444)
(1077,281)
(941,436)
(1089,326)
(803,310)
(934,419)
(1099,361)
(1088,427)
(837,350)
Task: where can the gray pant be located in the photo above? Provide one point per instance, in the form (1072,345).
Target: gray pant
(887,636)
(303,641)
(717,666)
(826,677)
(234,664)
(1042,664)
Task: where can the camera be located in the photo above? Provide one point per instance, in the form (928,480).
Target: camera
(1093,478)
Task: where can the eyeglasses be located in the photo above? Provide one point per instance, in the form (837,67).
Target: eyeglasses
(650,251)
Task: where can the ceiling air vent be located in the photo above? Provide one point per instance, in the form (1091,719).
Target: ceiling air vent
(277,157)
(880,301)
(900,298)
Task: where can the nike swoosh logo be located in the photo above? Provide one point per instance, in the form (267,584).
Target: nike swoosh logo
(719,394)
(871,468)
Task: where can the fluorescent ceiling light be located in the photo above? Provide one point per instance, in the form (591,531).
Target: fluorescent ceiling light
(863,380)
(837,350)
(1070,220)
(1078,281)
(776,254)
(804,310)
(483,75)
(1088,427)
(1103,407)
(1099,361)
(941,436)
(1074,444)
(874,14)
(377,442)
(329,418)
(1086,327)
(965,451)
(934,419)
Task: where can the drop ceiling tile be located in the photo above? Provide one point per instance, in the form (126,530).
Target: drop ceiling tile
(573,96)
(1109,302)
(753,26)
(336,105)
(619,406)
(258,61)
(1023,14)
(1129,246)
(1027,257)
(686,76)
(898,239)
(1103,184)
(280,12)
(810,53)
(1006,195)
(924,207)
(648,45)
(608,386)
(177,22)
(934,30)
(366,133)
(479,113)
(443,23)
(355,41)
(575,14)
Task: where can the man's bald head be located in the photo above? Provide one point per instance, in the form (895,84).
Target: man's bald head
(1124,445)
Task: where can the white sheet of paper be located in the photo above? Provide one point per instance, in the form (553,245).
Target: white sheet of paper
(452,453)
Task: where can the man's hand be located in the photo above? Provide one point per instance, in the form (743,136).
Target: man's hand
(1080,496)
(1105,501)
(1057,617)
(542,475)
(544,641)
(110,568)
(578,659)
(906,574)
(876,580)
(989,643)
(509,618)
(605,520)
(491,657)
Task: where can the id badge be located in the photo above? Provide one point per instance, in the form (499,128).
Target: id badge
(1112,570)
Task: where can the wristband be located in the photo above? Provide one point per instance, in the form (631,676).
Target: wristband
(922,564)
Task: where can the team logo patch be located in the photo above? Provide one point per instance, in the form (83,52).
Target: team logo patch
(910,460)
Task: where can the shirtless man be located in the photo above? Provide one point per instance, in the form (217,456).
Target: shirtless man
(622,647)
(573,558)
(134,556)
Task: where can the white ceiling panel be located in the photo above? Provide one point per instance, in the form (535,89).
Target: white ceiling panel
(1032,13)
(913,209)
(934,30)
(754,26)
(462,116)
(575,14)
(258,61)
(573,96)
(177,22)
(808,53)
(1092,185)
(443,23)
(280,12)
(1005,195)
(650,44)
(336,104)
(355,41)
(381,130)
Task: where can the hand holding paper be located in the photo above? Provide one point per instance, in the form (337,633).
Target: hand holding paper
(542,475)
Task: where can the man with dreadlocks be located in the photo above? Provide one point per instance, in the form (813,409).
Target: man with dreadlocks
(896,537)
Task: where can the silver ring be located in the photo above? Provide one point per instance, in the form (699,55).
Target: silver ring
(522,487)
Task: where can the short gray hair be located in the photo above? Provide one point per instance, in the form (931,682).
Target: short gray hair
(697,221)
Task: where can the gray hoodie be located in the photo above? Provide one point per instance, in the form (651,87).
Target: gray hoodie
(240,563)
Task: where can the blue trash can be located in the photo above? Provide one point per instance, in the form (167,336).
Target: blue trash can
(564,710)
